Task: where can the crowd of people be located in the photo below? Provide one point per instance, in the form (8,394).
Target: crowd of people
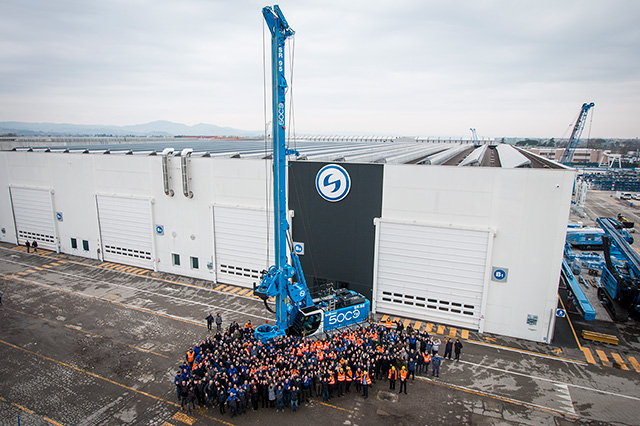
(233,370)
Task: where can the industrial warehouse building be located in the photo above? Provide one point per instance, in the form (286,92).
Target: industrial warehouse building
(413,225)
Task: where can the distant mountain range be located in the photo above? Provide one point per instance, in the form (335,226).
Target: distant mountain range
(155,128)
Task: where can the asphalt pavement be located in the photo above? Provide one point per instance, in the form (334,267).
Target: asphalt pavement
(95,343)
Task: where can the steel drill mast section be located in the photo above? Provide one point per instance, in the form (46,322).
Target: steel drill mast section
(276,281)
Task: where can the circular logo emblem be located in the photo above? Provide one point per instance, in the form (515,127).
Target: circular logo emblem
(333,182)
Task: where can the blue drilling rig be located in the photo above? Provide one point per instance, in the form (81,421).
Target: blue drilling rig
(297,313)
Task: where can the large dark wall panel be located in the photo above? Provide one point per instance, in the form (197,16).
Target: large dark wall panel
(339,237)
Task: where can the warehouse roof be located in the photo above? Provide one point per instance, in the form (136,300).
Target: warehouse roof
(374,149)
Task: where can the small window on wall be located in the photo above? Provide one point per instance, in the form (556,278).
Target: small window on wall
(85,245)
(175,259)
(195,264)
(74,243)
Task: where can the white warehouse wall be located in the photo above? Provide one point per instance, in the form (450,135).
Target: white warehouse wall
(76,179)
(528,209)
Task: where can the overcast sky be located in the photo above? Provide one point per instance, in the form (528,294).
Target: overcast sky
(414,68)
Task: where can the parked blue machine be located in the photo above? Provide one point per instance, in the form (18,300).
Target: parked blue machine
(620,284)
(591,238)
(296,312)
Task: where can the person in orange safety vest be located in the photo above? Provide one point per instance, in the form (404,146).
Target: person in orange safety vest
(348,378)
(403,379)
(341,379)
(393,376)
(366,382)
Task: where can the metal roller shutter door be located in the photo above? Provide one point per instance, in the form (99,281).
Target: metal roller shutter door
(432,274)
(126,230)
(33,214)
(240,237)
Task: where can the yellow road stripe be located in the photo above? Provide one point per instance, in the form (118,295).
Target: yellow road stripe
(396,319)
(429,327)
(121,268)
(54,264)
(166,424)
(464,334)
(220,286)
(418,325)
(234,290)
(570,323)
(406,323)
(245,291)
(181,417)
(47,266)
(588,355)
(157,398)
(440,329)
(25,409)
(453,332)
(53,422)
(384,318)
(603,357)
(634,364)
(616,356)
(333,406)
(37,269)
(30,271)
(21,273)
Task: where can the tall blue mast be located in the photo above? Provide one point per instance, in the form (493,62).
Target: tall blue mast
(280,31)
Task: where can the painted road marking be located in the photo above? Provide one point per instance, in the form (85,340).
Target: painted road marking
(440,329)
(523,351)
(634,364)
(181,417)
(464,334)
(88,373)
(406,323)
(565,397)
(219,287)
(332,406)
(603,358)
(157,398)
(453,332)
(588,355)
(396,319)
(76,328)
(429,327)
(243,292)
(618,359)
(494,396)
(384,318)
(544,379)
(234,290)
(418,325)
(134,307)
(47,266)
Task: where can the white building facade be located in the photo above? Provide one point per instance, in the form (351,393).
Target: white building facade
(477,247)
